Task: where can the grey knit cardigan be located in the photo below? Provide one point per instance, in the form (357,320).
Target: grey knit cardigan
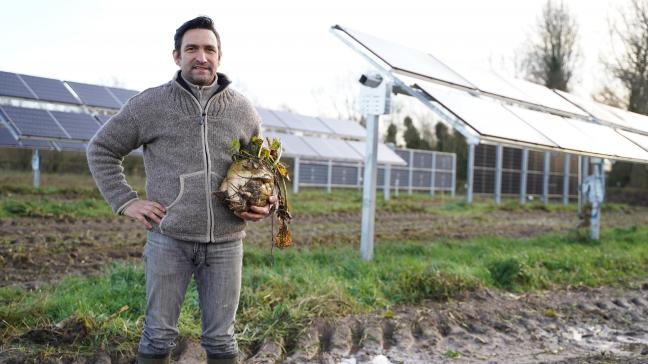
(186,156)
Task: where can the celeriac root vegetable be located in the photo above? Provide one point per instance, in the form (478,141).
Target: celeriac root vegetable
(254,175)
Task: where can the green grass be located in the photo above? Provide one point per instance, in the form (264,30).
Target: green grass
(282,294)
(84,200)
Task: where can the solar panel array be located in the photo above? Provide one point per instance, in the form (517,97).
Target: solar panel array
(52,90)
(484,172)
(285,121)
(320,139)
(438,177)
(561,121)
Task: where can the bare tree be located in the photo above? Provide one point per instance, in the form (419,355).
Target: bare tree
(630,67)
(552,57)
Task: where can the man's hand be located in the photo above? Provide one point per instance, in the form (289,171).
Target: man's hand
(257,213)
(144,210)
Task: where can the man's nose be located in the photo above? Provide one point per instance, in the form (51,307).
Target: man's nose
(201,57)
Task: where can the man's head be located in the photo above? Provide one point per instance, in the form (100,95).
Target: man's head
(197,50)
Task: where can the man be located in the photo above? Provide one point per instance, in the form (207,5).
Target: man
(185,127)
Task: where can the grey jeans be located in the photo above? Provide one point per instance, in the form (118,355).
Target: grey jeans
(169,265)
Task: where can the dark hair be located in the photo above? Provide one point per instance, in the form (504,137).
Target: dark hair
(201,22)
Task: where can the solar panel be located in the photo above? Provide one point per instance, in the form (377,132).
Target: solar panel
(48,89)
(94,95)
(11,85)
(32,122)
(268,118)
(492,83)
(633,120)
(406,59)
(292,145)
(302,122)
(7,139)
(122,94)
(639,139)
(581,136)
(385,154)
(332,149)
(593,108)
(78,126)
(71,146)
(103,118)
(487,117)
(541,95)
(40,144)
(345,128)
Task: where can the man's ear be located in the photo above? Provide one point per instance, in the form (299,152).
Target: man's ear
(176,57)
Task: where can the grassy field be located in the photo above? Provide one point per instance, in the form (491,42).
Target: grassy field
(284,292)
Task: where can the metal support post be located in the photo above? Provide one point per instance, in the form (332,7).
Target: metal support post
(454,175)
(410,172)
(369,189)
(584,173)
(498,173)
(295,176)
(566,169)
(329,176)
(469,175)
(433,176)
(36,168)
(594,188)
(545,177)
(386,182)
(523,175)
(359,177)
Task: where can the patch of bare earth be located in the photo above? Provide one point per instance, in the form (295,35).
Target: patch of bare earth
(571,326)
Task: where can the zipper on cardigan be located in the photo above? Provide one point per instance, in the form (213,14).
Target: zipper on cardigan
(203,123)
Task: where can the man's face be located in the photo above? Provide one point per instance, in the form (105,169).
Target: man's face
(198,58)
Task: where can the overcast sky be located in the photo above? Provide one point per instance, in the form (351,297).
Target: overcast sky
(278,52)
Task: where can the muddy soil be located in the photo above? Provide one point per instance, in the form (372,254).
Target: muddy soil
(578,325)
(34,251)
(572,326)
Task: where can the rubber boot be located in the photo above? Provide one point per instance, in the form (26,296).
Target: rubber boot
(153,359)
(232,360)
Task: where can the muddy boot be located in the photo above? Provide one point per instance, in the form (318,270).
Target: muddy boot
(153,359)
(215,360)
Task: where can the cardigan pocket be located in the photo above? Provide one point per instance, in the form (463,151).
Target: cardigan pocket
(187,214)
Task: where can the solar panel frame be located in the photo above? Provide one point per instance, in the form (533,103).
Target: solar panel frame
(49,89)
(32,122)
(406,59)
(78,125)
(94,95)
(11,85)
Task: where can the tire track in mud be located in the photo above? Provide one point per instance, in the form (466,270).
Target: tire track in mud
(570,326)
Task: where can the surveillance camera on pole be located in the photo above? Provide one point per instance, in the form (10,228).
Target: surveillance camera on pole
(375,100)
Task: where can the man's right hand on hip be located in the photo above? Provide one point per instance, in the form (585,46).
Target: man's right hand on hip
(145,210)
